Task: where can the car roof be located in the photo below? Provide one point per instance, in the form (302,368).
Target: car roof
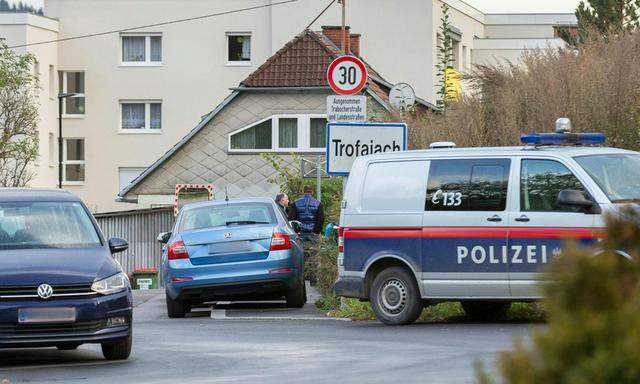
(34,194)
(561,151)
(265,200)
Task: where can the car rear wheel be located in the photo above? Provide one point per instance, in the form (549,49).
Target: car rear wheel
(176,308)
(297,297)
(120,350)
(485,310)
(395,297)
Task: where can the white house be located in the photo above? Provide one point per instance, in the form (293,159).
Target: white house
(142,90)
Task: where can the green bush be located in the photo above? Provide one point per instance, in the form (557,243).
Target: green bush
(594,316)
(291,182)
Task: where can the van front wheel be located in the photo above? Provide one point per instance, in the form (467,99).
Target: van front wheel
(395,297)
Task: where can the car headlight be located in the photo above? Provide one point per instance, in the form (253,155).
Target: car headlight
(114,284)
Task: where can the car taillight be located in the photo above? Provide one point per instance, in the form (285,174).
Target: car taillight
(280,242)
(340,240)
(177,251)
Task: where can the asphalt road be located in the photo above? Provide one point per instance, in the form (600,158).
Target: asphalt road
(245,345)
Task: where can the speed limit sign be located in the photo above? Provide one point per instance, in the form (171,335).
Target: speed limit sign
(347,75)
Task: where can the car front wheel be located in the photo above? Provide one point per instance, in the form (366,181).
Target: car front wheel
(395,297)
(120,350)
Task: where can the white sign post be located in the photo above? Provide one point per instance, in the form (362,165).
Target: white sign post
(346,108)
(347,141)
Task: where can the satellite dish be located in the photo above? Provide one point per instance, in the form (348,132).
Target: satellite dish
(402,96)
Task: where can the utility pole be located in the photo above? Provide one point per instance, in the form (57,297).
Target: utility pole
(344,39)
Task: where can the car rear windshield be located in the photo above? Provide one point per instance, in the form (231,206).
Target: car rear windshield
(618,175)
(227,215)
(46,225)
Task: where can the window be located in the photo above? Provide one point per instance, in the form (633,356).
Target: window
(141,116)
(141,49)
(73,164)
(72,82)
(52,87)
(468,185)
(226,215)
(540,183)
(127,174)
(239,48)
(288,132)
(255,137)
(318,133)
(618,175)
(52,150)
(464,58)
(282,133)
(43,224)
(394,187)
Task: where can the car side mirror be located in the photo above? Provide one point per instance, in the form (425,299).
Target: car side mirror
(164,237)
(573,198)
(117,245)
(296,225)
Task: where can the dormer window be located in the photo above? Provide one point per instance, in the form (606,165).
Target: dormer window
(281,133)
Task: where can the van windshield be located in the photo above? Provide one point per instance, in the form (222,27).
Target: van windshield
(618,175)
(26,225)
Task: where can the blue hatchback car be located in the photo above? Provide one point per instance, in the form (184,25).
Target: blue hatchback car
(59,283)
(232,250)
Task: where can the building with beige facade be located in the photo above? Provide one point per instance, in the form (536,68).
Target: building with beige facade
(142,91)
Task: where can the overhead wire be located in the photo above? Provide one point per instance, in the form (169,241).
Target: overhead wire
(154,24)
(320,14)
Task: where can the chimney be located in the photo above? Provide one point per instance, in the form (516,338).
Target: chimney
(334,33)
(354,43)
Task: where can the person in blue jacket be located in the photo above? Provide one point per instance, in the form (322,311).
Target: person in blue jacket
(309,212)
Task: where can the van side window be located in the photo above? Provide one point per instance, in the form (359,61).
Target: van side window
(540,183)
(394,187)
(468,185)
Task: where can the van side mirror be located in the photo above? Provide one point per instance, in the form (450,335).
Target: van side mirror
(117,245)
(573,198)
(296,225)
(164,237)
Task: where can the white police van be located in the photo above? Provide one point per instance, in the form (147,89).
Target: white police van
(474,225)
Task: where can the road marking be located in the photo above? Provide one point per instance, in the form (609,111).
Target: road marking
(281,318)
(218,313)
(67,365)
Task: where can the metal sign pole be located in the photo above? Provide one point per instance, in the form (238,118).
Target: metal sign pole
(319,178)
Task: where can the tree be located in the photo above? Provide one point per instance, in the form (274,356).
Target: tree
(603,17)
(20,7)
(18,118)
(445,58)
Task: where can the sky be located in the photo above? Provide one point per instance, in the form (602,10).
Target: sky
(493,6)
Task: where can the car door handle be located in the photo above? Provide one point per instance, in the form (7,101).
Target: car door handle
(494,218)
(522,219)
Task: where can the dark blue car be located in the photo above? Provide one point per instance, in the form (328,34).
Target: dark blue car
(232,250)
(59,283)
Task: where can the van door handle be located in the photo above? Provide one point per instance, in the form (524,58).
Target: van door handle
(522,219)
(494,218)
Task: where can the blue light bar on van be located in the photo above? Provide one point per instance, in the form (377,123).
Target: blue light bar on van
(562,138)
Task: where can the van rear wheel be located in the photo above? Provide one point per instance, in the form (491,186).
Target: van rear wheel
(395,297)
(485,310)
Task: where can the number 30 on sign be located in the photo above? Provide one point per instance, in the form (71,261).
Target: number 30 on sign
(347,75)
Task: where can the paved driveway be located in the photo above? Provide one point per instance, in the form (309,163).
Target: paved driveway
(241,348)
